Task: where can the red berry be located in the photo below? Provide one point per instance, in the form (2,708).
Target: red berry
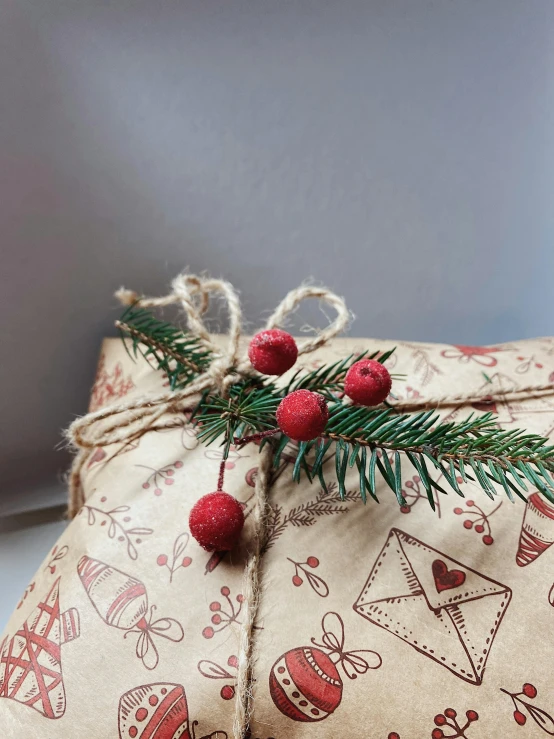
(488,540)
(272,352)
(468,524)
(297,581)
(479,528)
(216,619)
(450,713)
(458,511)
(225,591)
(393,735)
(302,415)
(208,632)
(215,606)
(437,734)
(233,661)
(158,491)
(146,485)
(367,382)
(162,560)
(470,503)
(312,562)
(520,718)
(240,598)
(170,472)
(472,715)
(169,481)
(227,692)
(440,719)
(178,464)
(405,509)
(530,690)
(216,521)
(186,561)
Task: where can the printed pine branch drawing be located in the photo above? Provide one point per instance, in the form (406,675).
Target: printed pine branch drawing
(326,503)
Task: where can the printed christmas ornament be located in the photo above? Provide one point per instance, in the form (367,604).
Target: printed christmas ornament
(272,352)
(537,530)
(216,521)
(302,415)
(305,683)
(156,711)
(121,601)
(30,662)
(367,382)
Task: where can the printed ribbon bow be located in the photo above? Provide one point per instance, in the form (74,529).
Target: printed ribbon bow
(166,628)
(332,641)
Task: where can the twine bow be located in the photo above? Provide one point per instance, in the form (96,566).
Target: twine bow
(131,419)
(166,628)
(332,641)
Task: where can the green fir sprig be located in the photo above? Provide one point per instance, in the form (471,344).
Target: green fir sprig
(375,441)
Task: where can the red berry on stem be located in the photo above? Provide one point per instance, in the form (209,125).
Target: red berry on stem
(437,734)
(458,511)
(302,415)
(367,382)
(450,712)
(186,561)
(472,715)
(233,661)
(272,352)
(312,562)
(470,503)
(520,718)
(440,719)
(530,690)
(297,581)
(468,524)
(479,528)
(488,540)
(216,521)
(225,591)
(215,606)
(216,619)
(162,560)
(208,632)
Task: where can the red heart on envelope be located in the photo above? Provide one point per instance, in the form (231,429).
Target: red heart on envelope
(446,579)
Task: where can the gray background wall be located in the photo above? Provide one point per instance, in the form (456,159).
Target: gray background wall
(400,151)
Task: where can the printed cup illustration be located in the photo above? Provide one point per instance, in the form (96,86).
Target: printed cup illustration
(121,601)
(537,530)
(31,663)
(157,711)
(305,683)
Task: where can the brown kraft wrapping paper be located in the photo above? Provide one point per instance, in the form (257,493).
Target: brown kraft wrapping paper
(375,621)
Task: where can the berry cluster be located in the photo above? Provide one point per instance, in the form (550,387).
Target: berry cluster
(161,476)
(480,523)
(317,583)
(524,709)
(177,559)
(221,618)
(450,719)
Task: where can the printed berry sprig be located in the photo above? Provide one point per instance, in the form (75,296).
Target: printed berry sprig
(480,522)
(523,708)
(449,721)
(302,571)
(223,618)
(177,561)
(339,409)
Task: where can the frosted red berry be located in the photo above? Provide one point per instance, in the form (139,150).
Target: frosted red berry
(312,562)
(472,716)
(367,382)
(216,521)
(272,352)
(520,718)
(530,690)
(302,415)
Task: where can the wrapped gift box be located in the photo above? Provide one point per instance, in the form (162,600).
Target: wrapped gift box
(375,621)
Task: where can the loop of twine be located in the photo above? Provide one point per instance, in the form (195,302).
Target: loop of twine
(131,419)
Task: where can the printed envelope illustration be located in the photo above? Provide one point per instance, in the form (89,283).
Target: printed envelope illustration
(442,608)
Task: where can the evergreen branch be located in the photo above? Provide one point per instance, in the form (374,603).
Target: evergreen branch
(177,353)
